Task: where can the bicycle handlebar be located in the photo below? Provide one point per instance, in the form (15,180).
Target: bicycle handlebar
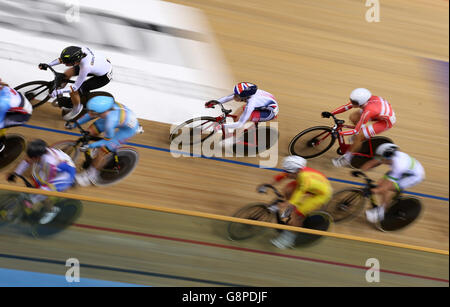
(336,121)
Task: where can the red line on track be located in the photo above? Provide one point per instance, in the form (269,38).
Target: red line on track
(253,251)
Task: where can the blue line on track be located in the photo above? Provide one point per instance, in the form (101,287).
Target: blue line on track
(227,161)
(121,270)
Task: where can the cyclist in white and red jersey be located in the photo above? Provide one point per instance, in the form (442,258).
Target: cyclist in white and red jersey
(15,110)
(261,106)
(52,170)
(83,62)
(374,109)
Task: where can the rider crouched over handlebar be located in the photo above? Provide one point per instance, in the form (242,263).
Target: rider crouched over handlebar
(113,115)
(52,170)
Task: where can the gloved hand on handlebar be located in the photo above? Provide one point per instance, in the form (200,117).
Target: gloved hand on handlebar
(211,103)
(11,177)
(326,114)
(43,66)
(262,189)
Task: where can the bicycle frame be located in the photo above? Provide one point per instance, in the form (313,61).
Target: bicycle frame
(344,147)
(222,118)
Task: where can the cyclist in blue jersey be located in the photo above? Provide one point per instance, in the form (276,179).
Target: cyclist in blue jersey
(117,122)
(15,110)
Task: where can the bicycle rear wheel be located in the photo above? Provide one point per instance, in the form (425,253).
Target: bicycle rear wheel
(14,146)
(257,212)
(345,204)
(402,213)
(37,92)
(193,131)
(115,171)
(358,161)
(312,142)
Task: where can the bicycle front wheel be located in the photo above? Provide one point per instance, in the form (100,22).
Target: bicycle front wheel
(345,204)
(256,212)
(312,142)
(37,92)
(194,131)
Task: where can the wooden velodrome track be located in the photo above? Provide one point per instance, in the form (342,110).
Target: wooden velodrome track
(309,54)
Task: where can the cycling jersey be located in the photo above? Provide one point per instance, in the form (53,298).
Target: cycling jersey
(312,190)
(55,171)
(260,101)
(13,102)
(119,117)
(93,63)
(376,109)
(405,171)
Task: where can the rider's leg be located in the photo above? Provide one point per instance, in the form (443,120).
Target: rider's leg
(355,117)
(385,190)
(289,189)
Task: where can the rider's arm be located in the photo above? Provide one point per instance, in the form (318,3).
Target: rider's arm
(365,117)
(225,99)
(84,119)
(84,71)
(343,108)
(244,117)
(370,164)
(54,62)
(22,167)
(111,123)
(64,167)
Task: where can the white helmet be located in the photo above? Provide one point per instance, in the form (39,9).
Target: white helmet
(292,164)
(386,150)
(360,96)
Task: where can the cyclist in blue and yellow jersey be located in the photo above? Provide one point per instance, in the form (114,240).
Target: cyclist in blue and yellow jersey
(119,124)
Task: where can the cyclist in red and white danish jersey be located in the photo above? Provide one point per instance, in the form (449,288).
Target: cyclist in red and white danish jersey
(376,116)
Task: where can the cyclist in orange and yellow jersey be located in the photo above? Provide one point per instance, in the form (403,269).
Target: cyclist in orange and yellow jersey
(307,193)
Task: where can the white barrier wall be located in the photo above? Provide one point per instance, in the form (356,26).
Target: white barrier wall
(166,62)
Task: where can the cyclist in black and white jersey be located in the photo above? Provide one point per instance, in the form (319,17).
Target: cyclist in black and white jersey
(405,172)
(83,62)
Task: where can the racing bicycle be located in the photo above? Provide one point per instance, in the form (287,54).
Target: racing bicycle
(269,212)
(13,211)
(349,202)
(315,141)
(118,164)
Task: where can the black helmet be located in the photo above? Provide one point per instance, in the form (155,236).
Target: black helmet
(36,148)
(71,55)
